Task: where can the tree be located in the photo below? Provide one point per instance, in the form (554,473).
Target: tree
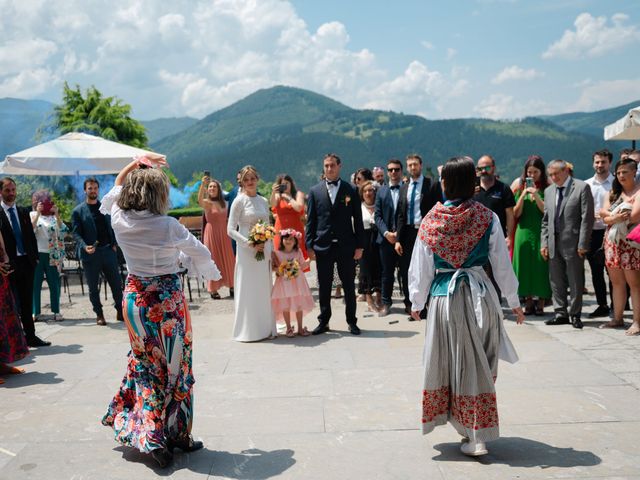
(106,117)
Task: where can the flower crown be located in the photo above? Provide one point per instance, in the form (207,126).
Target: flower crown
(290,232)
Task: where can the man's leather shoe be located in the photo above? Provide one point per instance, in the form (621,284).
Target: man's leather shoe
(601,311)
(119,316)
(557,321)
(100,320)
(354,329)
(36,341)
(186,444)
(322,328)
(162,456)
(576,322)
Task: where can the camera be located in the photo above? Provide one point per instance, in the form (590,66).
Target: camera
(282,188)
(47,204)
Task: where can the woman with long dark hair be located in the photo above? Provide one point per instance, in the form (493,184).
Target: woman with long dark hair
(214,236)
(464,335)
(369,275)
(153,410)
(531,269)
(621,213)
(287,205)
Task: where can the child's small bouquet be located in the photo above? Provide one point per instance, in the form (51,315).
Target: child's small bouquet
(289,269)
(261,233)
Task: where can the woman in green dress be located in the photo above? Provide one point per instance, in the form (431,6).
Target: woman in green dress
(531,269)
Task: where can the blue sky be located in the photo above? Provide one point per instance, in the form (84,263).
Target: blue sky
(491,58)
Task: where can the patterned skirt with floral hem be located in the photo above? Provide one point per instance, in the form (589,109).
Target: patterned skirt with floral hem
(154,402)
(460,367)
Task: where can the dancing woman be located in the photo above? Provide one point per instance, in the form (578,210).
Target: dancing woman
(464,335)
(153,409)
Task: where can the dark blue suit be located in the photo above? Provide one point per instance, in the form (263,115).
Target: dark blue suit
(386,217)
(334,232)
(104,260)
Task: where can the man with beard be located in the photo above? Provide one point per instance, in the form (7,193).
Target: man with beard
(96,245)
(21,247)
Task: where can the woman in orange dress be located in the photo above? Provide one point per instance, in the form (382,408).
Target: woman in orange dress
(287,204)
(214,236)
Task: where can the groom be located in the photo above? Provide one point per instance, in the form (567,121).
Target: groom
(335,235)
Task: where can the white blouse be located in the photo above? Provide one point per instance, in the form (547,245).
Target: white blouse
(367,217)
(43,231)
(156,244)
(422,269)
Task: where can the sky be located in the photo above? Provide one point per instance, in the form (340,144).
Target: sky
(469,58)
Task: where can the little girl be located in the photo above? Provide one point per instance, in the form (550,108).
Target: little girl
(291,291)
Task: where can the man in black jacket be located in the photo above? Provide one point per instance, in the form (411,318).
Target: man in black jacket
(335,235)
(417,197)
(20,244)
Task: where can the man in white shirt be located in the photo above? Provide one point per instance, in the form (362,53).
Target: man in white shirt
(600,185)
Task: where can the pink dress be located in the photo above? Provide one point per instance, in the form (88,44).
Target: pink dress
(218,242)
(291,295)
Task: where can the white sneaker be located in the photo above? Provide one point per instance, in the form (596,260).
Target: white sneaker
(474,449)
(57,317)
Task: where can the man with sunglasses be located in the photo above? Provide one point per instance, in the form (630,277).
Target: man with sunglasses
(495,195)
(386,218)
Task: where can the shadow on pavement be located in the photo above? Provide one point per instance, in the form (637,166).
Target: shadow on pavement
(248,464)
(31,378)
(523,453)
(53,349)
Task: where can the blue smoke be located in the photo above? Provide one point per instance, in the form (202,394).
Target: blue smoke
(180,197)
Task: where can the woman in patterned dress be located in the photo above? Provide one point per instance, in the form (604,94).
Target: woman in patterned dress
(13,346)
(622,258)
(464,336)
(153,409)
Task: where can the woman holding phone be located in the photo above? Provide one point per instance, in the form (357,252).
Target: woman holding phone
(287,205)
(532,271)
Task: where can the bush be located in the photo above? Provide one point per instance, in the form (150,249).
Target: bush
(185,212)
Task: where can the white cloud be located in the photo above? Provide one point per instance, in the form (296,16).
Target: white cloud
(606,94)
(516,73)
(501,106)
(196,56)
(428,45)
(451,52)
(593,37)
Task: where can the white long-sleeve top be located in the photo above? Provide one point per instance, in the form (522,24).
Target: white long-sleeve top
(422,269)
(156,244)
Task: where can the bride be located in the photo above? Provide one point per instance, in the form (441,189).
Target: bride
(254,318)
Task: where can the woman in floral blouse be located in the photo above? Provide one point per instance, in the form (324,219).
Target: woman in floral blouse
(49,230)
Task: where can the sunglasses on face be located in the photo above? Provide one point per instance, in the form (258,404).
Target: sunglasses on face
(484,169)
(393,169)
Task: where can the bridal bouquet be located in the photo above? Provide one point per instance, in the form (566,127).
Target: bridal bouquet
(261,233)
(289,269)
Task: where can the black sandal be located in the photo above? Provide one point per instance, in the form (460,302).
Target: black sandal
(186,444)
(216,296)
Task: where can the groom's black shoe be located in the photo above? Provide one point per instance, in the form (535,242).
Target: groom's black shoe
(354,329)
(321,328)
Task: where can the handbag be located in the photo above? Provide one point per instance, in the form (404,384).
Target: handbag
(634,236)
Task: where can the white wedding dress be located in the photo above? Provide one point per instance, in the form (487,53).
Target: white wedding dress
(254,319)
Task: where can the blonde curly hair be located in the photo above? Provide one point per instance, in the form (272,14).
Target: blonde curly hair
(145,189)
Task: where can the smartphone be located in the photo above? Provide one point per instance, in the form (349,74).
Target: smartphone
(477,181)
(207,173)
(529,182)
(282,188)
(46,207)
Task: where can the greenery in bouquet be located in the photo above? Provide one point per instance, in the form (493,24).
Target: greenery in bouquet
(261,233)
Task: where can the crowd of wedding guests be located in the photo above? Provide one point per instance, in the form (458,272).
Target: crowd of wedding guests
(526,242)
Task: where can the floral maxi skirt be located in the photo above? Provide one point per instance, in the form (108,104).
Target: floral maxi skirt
(154,402)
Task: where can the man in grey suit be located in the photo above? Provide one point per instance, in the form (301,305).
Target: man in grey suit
(566,234)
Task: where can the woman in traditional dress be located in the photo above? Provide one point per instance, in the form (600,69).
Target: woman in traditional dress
(254,319)
(49,230)
(622,258)
(13,345)
(211,199)
(153,410)
(464,334)
(532,271)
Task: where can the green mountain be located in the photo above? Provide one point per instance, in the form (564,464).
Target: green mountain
(19,120)
(592,123)
(163,127)
(283,129)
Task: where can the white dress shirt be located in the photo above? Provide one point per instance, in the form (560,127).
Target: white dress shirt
(422,269)
(599,190)
(333,190)
(417,216)
(154,244)
(367,217)
(395,196)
